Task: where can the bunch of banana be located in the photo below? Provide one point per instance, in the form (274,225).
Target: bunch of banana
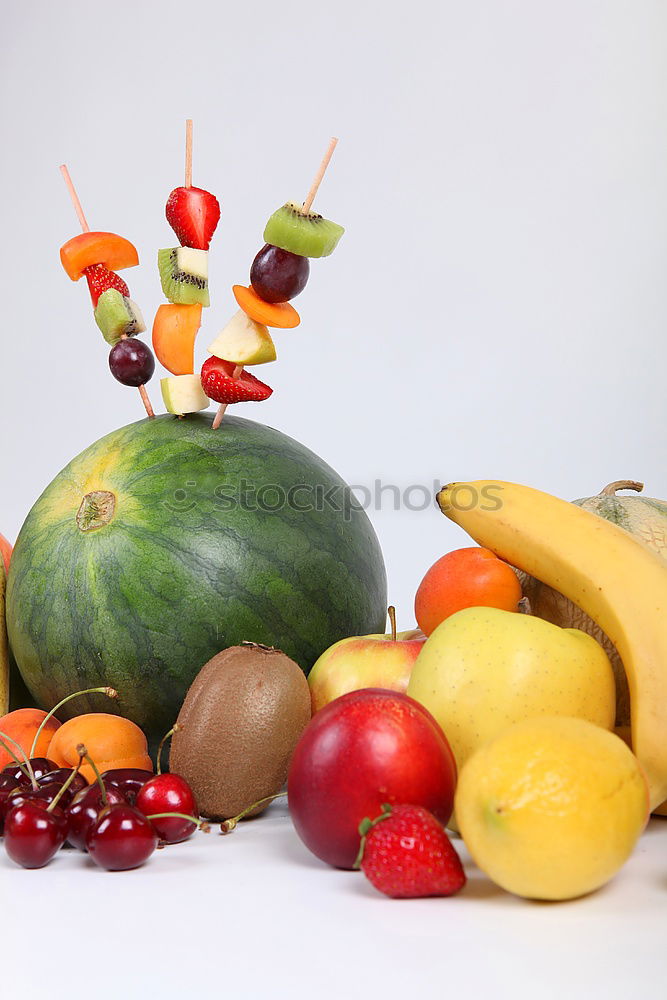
(617,580)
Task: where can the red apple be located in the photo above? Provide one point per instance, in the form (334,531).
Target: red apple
(363,661)
(362,750)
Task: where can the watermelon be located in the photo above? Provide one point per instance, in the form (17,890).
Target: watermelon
(166,542)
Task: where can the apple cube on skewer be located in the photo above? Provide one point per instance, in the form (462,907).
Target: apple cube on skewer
(183,394)
(244,342)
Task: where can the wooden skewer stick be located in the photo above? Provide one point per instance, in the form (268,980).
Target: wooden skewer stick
(223,406)
(317,180)
(86,229)
(188,152)
(310,198)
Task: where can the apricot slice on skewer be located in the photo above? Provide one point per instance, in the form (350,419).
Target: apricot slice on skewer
(115,252)
(175,328)
(278,314)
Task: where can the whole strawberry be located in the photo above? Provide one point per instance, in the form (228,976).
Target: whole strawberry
(406,853)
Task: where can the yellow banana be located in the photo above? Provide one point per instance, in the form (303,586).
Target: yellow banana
(4,650)
(607,572)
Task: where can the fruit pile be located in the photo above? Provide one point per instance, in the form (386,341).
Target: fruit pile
(487,720)
(542,745)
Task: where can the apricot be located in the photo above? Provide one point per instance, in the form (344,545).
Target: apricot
(22,725)
(280,314)
(466,578)
(110,740)
(6,551)
(115,252)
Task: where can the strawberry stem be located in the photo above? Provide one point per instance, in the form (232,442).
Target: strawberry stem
(108,691)
(365,828)
(25,765)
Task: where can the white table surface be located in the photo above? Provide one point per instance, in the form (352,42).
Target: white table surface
(253,914)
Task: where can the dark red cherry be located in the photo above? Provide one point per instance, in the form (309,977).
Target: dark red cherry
(278,275)
(131,362)
(40,766)
(5,794)
(129,780)
(33,835)
(43,796)
(8,782)
(60,776)
(121,838)
(169,793)
(84,810)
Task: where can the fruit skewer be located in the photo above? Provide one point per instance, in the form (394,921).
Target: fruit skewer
(193,214)
(119,320)
(279,272)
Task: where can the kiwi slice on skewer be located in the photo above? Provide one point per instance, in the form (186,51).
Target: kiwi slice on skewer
(184,275)
(303,233)
(118,316)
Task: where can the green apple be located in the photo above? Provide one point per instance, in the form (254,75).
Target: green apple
(483,669)
(183,394)
(244,342)
(363,661)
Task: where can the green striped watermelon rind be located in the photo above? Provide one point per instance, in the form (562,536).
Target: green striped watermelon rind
(144,601)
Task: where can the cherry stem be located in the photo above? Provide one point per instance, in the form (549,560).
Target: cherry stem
(108,691)
(25,765)
(391,611)
(199,823)
(231,824)
(82,752)
(365,828)
(176,728)
(75,771)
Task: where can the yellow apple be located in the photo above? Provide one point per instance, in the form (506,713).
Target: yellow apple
(483,669)
(363,661)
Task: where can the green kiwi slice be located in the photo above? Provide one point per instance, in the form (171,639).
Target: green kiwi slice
(306,234)
(117,316)
(184,275)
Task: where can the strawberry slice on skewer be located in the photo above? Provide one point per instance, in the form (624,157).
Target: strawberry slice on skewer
(219,384)
(100,279)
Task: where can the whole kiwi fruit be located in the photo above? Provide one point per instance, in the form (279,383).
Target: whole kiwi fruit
(240,722)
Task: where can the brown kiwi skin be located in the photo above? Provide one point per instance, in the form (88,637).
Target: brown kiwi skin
(241,720)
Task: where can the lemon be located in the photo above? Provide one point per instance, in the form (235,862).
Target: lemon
(552,807)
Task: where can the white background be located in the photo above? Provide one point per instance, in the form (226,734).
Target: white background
(497,308)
